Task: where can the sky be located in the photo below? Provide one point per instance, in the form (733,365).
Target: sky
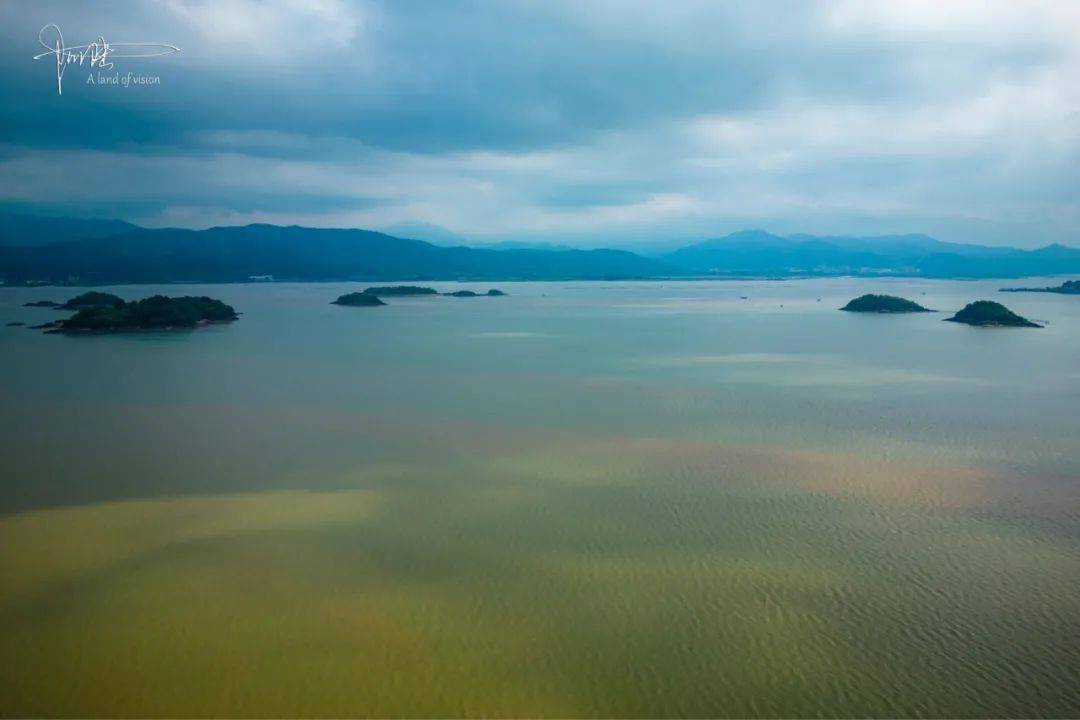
(581,122)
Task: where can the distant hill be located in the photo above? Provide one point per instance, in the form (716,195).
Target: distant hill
(230,254)
(519,245)
(434,234)
(1069,287)
(234,254)
(19,229)
(757,252)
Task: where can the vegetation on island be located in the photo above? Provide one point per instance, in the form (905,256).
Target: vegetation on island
(42,303)
(400,290)
(358,299)
(986,313)
(153,313)
(1069,287)
(469,293)
(89,300)
(883,304)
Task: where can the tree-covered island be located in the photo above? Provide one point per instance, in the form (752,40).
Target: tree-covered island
(469,293)
(1069,287)
(153,313)
(392,290)
(91,299)
(883,304)
(358,299)
(986,313)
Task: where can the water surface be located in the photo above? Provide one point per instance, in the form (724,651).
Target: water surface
(615,499)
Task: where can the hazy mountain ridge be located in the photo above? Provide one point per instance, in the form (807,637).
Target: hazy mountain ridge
(238,253)
(231,254)
(25,229)
(428,232)
(757,252)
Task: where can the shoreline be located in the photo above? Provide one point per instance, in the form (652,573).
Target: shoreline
(666,278)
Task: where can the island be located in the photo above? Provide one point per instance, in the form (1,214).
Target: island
(15,323)
(883,304)
(400,290)
(470,293)
(1069,287)
(358,299)
(153,313)
(986,313)
(42,303)
(89,300)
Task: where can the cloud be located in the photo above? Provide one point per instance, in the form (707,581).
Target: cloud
(973,21)
(261,33)
(593,123)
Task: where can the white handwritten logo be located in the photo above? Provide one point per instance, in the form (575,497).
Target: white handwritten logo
(98,53)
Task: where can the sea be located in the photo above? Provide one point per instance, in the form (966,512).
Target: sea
(584,499)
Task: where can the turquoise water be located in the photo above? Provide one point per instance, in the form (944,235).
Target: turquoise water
(621,498)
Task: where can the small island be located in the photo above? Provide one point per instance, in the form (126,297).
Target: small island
(42,304)
(358,299)
(1069,287)
(986,313)
(400,290)
(883,304)
(470,293)
(15,323)
(153,313)
(89,300)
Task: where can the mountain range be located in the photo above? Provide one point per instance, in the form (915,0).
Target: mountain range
(757,253)
(18,229)
(235,254)
(61,250)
